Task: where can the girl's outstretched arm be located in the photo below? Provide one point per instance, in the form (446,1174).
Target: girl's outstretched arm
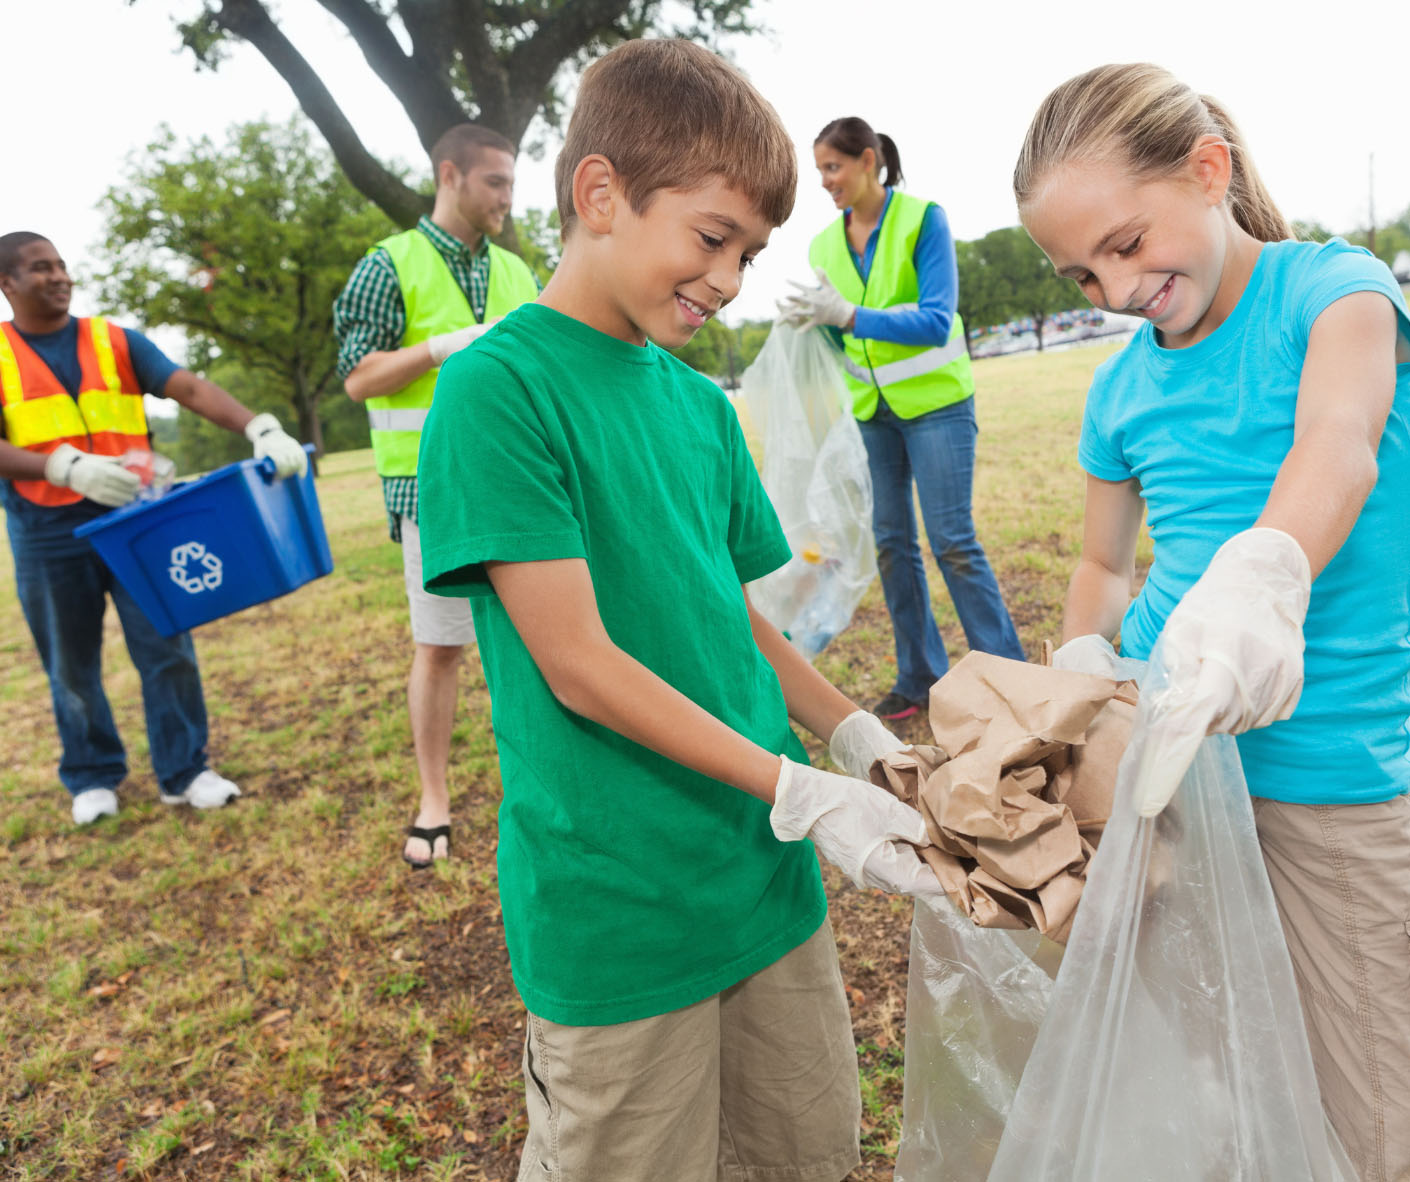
(1100,588)
(1343,401)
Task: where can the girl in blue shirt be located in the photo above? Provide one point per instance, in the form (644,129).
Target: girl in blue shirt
(1258,421)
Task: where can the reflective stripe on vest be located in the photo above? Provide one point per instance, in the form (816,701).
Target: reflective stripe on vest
(913,379)
(409,419)
(434,304)
(107,417)
(908,367)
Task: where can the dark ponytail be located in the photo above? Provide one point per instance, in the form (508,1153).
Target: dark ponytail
(852,136)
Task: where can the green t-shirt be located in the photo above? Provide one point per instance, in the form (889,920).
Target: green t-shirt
(630,885)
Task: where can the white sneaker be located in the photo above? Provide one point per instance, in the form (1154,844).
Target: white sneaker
(208,790)
(93,803)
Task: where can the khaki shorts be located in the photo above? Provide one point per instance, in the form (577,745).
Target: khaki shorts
(434,618)
(1341,877)
(756,1083)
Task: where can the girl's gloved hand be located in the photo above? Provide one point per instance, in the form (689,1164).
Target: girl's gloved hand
(1232,654)
(1091,653)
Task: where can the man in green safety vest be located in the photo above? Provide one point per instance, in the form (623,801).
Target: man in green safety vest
(413,300)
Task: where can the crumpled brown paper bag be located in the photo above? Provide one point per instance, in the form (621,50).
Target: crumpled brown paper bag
(1018,787)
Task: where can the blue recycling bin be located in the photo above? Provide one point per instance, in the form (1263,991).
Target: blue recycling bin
(233,538)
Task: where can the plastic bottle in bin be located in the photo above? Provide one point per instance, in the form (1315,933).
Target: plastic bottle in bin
(153,469)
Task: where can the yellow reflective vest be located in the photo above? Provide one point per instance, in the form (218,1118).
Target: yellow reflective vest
(913,379)
(434,304)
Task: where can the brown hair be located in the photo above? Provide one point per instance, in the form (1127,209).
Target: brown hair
(461,144)
(1146,119)
(852,136)
(669,114)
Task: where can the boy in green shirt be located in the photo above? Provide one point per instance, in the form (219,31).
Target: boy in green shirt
(595,500)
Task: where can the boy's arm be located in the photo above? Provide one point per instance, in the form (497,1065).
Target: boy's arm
(857,826)
(812,700)
(855,738)
(553,607)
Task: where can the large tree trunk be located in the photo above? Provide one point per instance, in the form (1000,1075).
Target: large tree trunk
(306,404)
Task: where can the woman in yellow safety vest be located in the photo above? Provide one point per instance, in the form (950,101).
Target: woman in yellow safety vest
(888,286)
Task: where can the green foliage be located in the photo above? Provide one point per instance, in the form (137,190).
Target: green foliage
(719,351)
(1391,238)
(243,245)
(1004,276)
(540,242)
(1310,231)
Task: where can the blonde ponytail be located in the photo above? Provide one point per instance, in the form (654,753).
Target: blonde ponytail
(1248,197)
(1143,118)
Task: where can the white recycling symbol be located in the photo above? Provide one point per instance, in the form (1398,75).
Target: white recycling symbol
(194,568)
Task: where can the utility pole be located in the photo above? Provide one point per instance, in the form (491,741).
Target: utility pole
(1371,202)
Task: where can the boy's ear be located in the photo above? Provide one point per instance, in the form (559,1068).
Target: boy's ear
(595,193)
(1213,163)
(446,174)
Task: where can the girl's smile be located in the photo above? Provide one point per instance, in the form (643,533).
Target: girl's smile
(1166,250)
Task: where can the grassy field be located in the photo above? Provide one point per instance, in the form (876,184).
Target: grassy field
(266,991)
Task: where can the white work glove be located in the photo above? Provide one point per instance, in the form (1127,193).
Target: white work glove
(99,478)
(447,343)
(860,828)
(1088,654)
(810,307)
(270,439)
(1232,655)
(859,740)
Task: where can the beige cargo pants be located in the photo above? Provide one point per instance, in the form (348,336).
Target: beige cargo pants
(1341,878)
(755,1084)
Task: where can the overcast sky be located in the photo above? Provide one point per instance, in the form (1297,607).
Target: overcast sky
(86,82)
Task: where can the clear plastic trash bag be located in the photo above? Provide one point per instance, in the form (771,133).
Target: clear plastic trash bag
(814,467)
(1170,1048)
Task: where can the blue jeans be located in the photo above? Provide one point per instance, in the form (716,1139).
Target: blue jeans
(936,450)
(62,584)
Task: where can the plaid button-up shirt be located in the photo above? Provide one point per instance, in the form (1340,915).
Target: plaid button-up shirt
(369,316)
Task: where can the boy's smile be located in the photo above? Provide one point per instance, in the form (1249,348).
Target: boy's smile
(666,271)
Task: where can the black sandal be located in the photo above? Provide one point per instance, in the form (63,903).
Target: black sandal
(429,837)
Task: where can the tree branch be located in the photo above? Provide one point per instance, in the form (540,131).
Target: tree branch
(428,103)
(250,21)
(534,61)
(428,23)
(487,75)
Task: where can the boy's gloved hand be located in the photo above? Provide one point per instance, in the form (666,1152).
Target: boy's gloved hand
(1091,653)
(859,740)
(810,307)
(270,439)
(447,343)
(99,478)
(858,827)
(1232,652)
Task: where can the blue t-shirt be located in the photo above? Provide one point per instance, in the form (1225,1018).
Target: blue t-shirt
(1204,430)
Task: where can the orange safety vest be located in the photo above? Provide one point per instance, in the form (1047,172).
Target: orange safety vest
(107,418)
